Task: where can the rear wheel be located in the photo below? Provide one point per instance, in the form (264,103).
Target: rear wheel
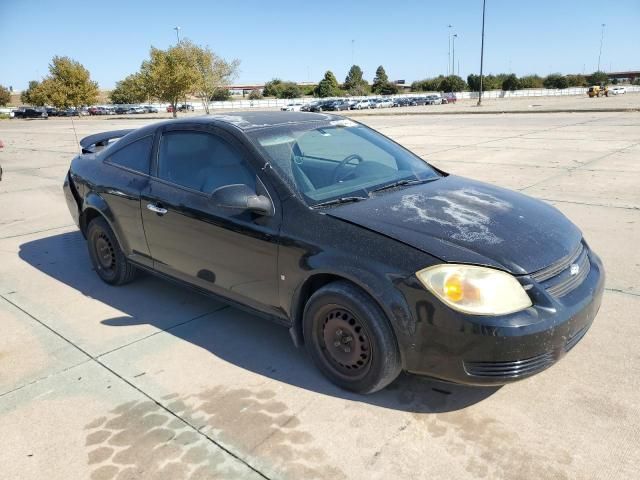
(107,257)
(350,339)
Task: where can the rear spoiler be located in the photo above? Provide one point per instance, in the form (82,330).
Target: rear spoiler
(96,142)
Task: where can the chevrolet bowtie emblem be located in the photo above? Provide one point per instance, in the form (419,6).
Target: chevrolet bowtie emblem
(574,269)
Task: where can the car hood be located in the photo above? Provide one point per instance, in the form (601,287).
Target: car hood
(465,221)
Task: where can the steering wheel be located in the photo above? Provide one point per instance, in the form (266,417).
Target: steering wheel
(337,176)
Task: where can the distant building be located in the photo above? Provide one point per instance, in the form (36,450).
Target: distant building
(629,76)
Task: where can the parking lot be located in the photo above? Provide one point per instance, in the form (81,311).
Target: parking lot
(151,380)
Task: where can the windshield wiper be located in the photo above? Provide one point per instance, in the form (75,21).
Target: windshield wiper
(402,183)
(337,201)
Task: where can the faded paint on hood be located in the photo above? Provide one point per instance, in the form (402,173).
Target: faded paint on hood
(461,220)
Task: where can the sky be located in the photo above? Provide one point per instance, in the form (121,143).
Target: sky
(299,40)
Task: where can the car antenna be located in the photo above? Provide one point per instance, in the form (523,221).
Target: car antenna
(73,125)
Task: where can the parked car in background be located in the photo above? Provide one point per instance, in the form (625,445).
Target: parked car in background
(120,110)
(52,111)
(384,103)
(418,101)
(307,106)
(434,100)
(401,102)
(336,105)
(185,107)
(449,98)
(361,105)
(618,91)
(150,109)
(292,107)
(27,112)
(320,106)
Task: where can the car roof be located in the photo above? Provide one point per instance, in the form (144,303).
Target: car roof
(254,120)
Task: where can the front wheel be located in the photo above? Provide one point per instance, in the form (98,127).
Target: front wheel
(350,339)
(107,257)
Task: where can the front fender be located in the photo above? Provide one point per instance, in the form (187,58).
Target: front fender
(377,280)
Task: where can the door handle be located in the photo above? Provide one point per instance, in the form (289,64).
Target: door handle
(157,209)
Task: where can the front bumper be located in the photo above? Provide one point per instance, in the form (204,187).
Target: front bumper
(482,350)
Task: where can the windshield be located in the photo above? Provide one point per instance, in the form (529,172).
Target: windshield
(330,160)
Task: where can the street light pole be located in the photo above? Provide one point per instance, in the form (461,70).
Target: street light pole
(352,49)
(453,63)
(449,54)
(601,39)
(484,2)
(177,29)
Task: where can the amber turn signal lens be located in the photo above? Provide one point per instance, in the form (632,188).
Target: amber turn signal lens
(453,288)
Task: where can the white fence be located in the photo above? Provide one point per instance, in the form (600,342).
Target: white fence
(490,94)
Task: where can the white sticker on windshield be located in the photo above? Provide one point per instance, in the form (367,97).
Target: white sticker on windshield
(343,123)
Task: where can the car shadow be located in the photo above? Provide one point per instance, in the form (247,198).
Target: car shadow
(239,338)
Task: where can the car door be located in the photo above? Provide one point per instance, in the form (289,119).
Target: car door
(229,252)
(126,172)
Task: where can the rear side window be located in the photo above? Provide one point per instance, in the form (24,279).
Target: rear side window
(202,161)
(135,156)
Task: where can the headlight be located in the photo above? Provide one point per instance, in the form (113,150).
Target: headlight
(475,290)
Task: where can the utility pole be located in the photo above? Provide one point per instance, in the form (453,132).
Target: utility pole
(177,29)
(484,4)
(453,63)
(352,50)
(601,39)
(449,54)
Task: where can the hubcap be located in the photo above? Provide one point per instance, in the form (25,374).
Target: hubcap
(104,252)
(346,345)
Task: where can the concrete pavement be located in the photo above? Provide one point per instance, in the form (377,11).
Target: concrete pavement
(151,380)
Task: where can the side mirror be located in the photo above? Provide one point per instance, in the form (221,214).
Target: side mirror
(241,197)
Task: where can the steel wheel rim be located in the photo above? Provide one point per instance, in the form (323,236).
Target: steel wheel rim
(105,254)
(345,343)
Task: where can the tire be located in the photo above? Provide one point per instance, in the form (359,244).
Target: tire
(107,258)
(350,339)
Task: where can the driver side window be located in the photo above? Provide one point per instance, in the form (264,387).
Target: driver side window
(202,161)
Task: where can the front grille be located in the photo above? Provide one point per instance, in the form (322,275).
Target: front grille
(558,279)
(515,368)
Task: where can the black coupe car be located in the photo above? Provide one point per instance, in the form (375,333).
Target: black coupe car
(375,260)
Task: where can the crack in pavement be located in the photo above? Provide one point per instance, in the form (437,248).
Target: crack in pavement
(139,390)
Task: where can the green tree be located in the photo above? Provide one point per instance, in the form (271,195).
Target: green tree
(531,81)
(281,89)
(510,82)
(170,75)
(354,84)
(68,84)
(473,81)
(5,96)
(328,86)
(221,94)
(380,80)
(556,80)
(452,83)
(576,81)
(597,78)
(272,88)
(34,95)
(130,90)
(289,90)
(428,84)
(255,95)
(214,73)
